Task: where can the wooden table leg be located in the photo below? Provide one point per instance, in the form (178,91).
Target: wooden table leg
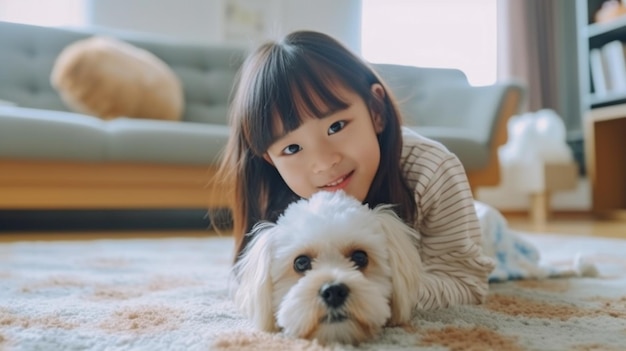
(539,208)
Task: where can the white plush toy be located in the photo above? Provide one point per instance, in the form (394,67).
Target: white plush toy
(538,136)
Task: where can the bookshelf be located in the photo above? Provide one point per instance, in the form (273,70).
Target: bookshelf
(604,108)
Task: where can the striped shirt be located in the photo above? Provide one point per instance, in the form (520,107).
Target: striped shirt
(456,270)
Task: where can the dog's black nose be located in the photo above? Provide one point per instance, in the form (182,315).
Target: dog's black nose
(334,295)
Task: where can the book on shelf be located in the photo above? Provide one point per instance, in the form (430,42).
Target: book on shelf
(598,73)
(615,61)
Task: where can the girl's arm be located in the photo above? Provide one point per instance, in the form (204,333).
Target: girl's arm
(456,271)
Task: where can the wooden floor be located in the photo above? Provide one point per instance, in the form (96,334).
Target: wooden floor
(565,224)
(573,224)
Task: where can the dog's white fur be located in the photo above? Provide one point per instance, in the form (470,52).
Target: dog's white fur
(328,228)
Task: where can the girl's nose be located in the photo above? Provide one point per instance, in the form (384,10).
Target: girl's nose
(325,158)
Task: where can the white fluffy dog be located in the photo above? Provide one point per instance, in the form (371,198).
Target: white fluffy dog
(330,269)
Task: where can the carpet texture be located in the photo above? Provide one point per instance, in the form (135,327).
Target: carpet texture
(172,294)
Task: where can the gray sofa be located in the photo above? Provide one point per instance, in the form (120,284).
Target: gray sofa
(52,158)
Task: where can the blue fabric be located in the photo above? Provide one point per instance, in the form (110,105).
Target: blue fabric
(515,257)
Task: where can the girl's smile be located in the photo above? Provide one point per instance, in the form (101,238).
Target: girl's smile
(338,184)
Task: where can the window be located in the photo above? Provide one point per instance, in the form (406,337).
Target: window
(433,33)
(57,13)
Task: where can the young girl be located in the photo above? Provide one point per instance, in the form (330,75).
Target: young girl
(309,115)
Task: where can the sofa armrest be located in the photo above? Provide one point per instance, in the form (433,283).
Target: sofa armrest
(474,110)
(471,121)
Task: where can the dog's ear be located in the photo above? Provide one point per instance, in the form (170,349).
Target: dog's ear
(253,293)
(405,263)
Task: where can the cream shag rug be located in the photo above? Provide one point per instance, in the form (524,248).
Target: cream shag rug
(172,294)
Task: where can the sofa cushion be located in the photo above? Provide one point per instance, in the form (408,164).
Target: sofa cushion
(27,133)
(110,78)
(34,134)
(165,141)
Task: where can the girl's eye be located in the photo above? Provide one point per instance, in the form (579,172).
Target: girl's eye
(335,127)
(359,258)
(302,264)
(291,149)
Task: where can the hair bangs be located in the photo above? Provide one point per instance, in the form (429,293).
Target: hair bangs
(295,93)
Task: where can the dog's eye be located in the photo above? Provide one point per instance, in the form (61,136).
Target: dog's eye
(359,258)
(302,264)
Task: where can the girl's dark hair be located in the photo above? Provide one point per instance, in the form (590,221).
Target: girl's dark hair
(280,83)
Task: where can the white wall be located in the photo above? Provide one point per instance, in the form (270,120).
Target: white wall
(187,20)
(342,19)
(203,21)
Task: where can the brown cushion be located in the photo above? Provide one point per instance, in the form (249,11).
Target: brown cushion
(109,78)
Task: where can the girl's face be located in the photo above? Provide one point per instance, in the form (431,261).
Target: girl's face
(337,152)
